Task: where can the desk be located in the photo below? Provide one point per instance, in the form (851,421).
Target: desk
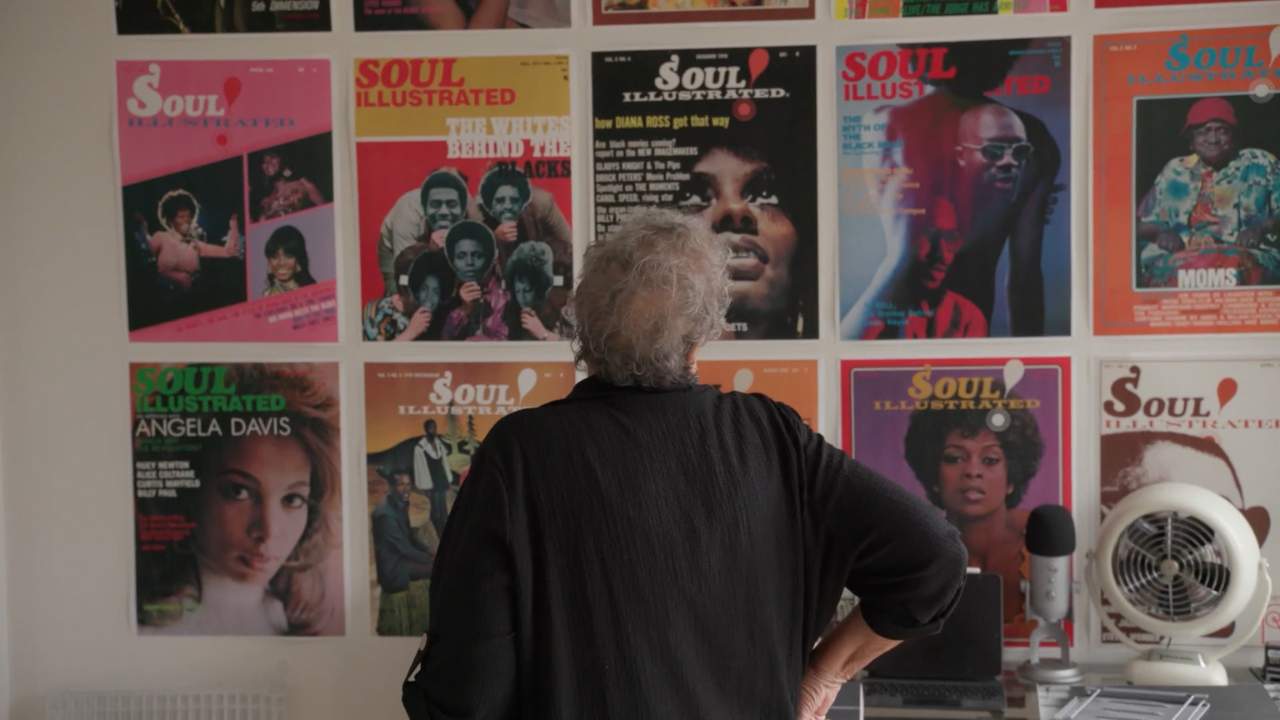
(1025,702)
(1048,699)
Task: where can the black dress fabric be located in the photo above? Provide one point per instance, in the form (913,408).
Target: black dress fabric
(637,553)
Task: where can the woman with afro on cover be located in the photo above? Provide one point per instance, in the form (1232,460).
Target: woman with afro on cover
(978,476)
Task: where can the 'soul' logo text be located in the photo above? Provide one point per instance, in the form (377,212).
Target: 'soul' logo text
(148,102)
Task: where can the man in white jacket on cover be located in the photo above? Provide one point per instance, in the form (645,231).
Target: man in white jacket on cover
(431,474)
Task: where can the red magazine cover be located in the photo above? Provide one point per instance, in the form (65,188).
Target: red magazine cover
(463,175)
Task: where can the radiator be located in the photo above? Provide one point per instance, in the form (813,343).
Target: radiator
(168,705)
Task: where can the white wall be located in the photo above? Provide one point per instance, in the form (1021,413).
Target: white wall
(64,474)
(6,669)
(9,122)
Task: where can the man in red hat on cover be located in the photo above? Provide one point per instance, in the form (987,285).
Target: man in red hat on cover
(1217,207)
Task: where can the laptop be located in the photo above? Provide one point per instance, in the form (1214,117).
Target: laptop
(959,668)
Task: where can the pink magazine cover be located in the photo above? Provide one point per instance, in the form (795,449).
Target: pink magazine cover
(226,175)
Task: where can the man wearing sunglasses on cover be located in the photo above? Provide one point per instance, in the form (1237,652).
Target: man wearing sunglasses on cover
(933,147)
(995,181)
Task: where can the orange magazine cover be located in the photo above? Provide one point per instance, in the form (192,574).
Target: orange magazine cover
(792,382)
(1186,215)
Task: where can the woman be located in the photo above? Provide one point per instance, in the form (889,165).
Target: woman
(644,500)
(753,192)
(285,192)
(477,310)
(289,266)
(254,562)
(528,315)
(412,313)
(978,477)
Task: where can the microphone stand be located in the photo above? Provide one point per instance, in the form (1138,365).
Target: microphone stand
(1047,671)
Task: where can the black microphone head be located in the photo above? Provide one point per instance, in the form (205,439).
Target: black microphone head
(1051,532)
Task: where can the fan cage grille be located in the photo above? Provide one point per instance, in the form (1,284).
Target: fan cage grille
(1171,566)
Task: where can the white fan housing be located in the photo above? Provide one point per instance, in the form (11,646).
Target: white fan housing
(1180,562)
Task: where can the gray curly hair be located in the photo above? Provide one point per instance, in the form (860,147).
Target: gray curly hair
(650,294)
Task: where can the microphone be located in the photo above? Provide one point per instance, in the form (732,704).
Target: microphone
(1051,539)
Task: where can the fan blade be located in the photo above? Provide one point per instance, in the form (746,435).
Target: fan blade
(1147,590)
(1192,525)
(1194,539)
(1169,600)
(1136,579)
(1213,577)
(1147,526)
(1151,553)
(1189,551)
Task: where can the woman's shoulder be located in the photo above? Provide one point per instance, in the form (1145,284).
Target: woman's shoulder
(741,410)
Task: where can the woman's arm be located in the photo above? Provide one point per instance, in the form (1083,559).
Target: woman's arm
(228,250)
(313,193)
(845,651)
(893,550)
(469,668)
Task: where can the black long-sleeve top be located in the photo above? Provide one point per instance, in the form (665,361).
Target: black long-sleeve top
(638,553)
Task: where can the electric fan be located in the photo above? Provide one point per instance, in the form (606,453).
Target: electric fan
(1179,562)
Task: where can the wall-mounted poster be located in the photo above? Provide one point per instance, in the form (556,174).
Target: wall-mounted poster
(423,422)
(1148,3)
(460,14)
(986,440)
(463,171)
(1210,423)
(727,135)
(954,189)
(237,490)
(226,168)
(164,17)
(860,9)
(1186,192)
(624,12)
(791,382)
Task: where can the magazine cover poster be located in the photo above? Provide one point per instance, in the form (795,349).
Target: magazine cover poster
(791,382)
(1210,423)
(460,14)
(623,12)
(1147,3)
(863,9)
(1187,190)
(423,422)
(727,135)
(463,171)
(226,171)
(986,440)
(167,17)
(954,187)
(237,499)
